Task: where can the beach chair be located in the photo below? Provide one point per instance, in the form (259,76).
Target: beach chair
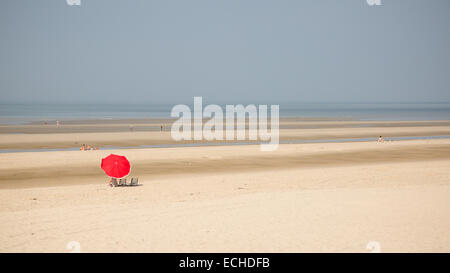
(134,181)
(123,182)
(114,182)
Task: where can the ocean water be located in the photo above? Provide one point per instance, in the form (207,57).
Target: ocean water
(24,113)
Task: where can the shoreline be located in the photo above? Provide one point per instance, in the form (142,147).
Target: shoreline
(9,121)
(156,121)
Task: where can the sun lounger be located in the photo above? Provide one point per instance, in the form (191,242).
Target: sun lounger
(123,182)
(114,182)
(134,181)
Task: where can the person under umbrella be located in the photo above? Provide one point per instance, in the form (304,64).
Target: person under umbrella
(116,166)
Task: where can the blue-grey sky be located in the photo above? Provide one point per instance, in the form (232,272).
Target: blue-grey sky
(224,50)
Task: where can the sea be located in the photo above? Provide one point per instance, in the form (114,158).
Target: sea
(26,113)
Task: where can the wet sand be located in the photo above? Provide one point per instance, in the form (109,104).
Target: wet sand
(40,169)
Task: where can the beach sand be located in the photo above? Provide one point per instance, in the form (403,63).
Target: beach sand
(147,132)
(317,197)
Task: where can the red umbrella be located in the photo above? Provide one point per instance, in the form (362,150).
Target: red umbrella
(116,166)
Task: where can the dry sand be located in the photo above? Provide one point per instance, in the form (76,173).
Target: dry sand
(322,197)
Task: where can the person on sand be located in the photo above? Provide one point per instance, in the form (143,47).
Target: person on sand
(380,139)
(83,147)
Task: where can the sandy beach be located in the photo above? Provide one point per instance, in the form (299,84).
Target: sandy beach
(314,197)
(239,126)
(106,133)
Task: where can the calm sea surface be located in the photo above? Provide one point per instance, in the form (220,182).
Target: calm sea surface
(23,113)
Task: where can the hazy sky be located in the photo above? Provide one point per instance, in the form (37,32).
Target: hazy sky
(224,50)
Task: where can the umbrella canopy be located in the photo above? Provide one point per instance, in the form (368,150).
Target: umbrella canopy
(116,166)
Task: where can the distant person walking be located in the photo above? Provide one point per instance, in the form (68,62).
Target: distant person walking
(58,123)
(380,139)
